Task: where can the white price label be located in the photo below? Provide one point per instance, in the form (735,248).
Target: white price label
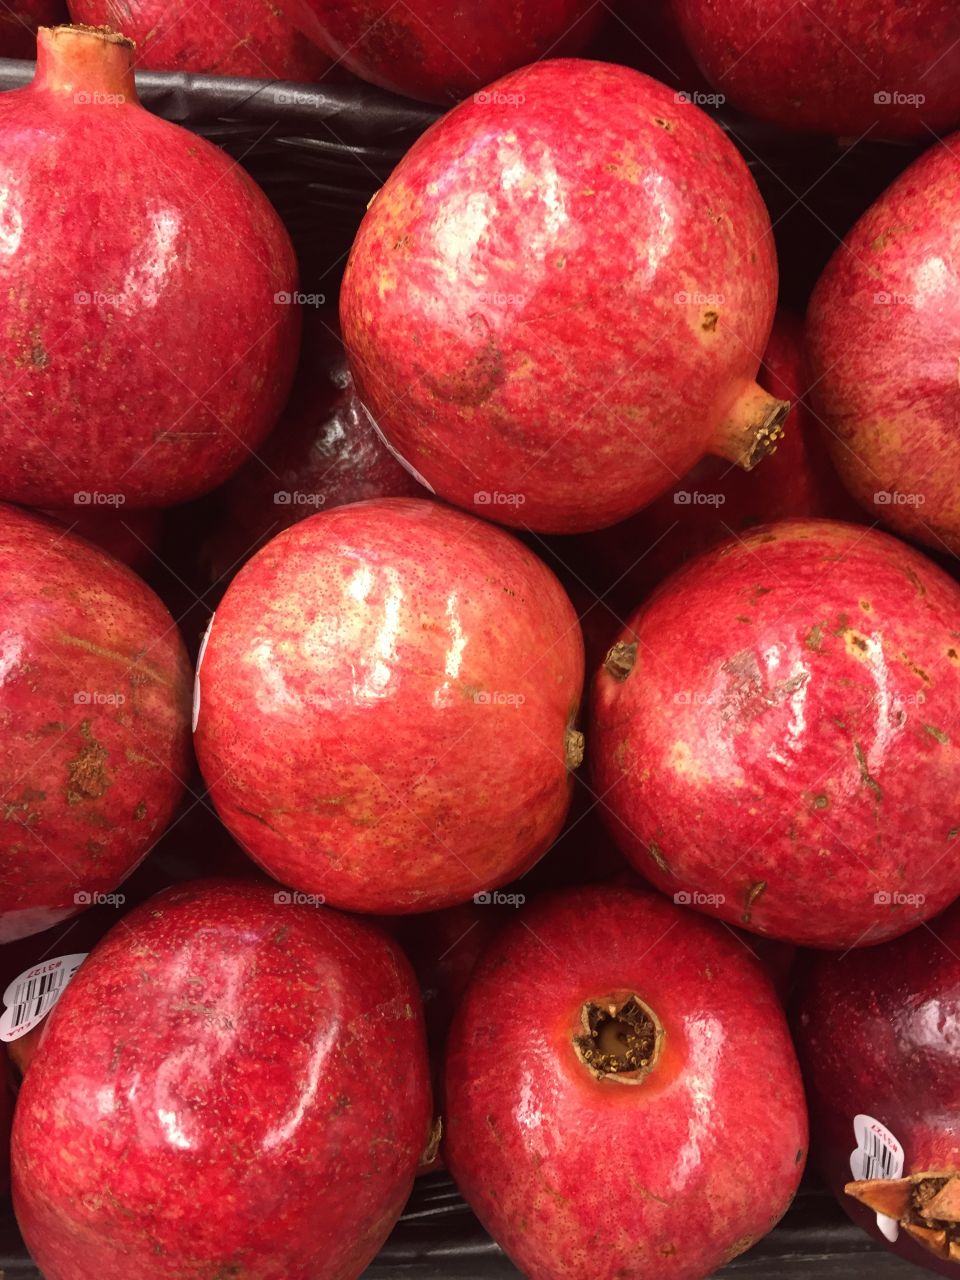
(30,997)
(877,1155)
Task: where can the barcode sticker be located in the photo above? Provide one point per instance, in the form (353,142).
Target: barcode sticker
(877,1155)
(31,996)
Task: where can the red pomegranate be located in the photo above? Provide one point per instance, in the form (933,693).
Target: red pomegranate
(387,698)
(877,1033)
(440,51)
(94,723)
(883,330)
(577,228)
(259,38)
(145,348)
(866,66)
(713,500)
(324,453)
(774,735)
(19,20)
(621,1085)
(232,1084)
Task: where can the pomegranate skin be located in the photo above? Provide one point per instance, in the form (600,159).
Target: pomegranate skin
(231,1084)
(19,21)
(828,68)
(94,722)
(440,51)
(258,38)
(710,1145)
(876,1032)
(883,329)
(783,750)
(324,453)
(131,281)
(621,257)
(362,678)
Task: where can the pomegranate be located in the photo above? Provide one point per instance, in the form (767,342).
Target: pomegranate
(621,1084)
(324,453)
(715,499)
(440,51)
(773,735)
(883,328)
(870,66)
(621,257)
(167,269)
(877,1033)
(386,706)
(258,38)
(94,723)
(19,20)
(232,1084)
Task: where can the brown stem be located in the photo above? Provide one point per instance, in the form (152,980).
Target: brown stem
(94,65)
(573,748)
(620,659)
(619,1038)
(751,428)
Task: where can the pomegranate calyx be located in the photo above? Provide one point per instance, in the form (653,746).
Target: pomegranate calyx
(752,427)
(927,1206)
(620,1038)
(620,659)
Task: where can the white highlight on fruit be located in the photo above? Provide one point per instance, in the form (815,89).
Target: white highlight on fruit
(196,676)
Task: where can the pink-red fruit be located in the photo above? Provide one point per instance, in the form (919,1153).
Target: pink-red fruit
(775,735)
(621,1089)
(94,722)
(883,332)
(439,50)
(231,1085)
(556,304)
(865,66)
(144,350)
(387,701)
(19,21)
(266,39)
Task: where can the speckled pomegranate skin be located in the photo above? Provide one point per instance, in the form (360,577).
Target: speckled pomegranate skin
(19,21)
(142,351)
(883,331)
(386,702)
(94,722)
(324,453)
(439,50)
(714,499)
(229,1086)
(784,750)
(583,1178)
(844,69)
(556,303)
(877,1035)
(267,39)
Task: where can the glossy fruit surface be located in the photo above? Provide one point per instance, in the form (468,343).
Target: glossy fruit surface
(576,1160)
(883,331)
(876,1031)
(324,453)
(143,348)
(577,229)
(266,39)
(94,722)
(387,704)
(864,66)
(441,51)
(775,732)
(230,1084)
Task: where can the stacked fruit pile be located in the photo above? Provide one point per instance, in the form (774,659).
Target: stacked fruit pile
(337,880)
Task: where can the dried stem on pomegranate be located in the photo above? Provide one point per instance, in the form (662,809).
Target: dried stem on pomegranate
(620,1039)
(927,1206)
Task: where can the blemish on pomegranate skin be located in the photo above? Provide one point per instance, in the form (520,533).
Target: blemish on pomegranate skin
(865,777)
(754,891)
(934,732)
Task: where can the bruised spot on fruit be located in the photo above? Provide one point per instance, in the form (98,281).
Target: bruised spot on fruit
(858,645)
(866,606)
(140,812)
(927,1206)
(814,638)
(934,732)
(663,123)
(656,853)
(478,376)
(953,655)
(917,671)
(88,779)
(620,1038)
(620,659)
(754,891)
(917,584)
(709,321)
(865,777)
(821,802)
